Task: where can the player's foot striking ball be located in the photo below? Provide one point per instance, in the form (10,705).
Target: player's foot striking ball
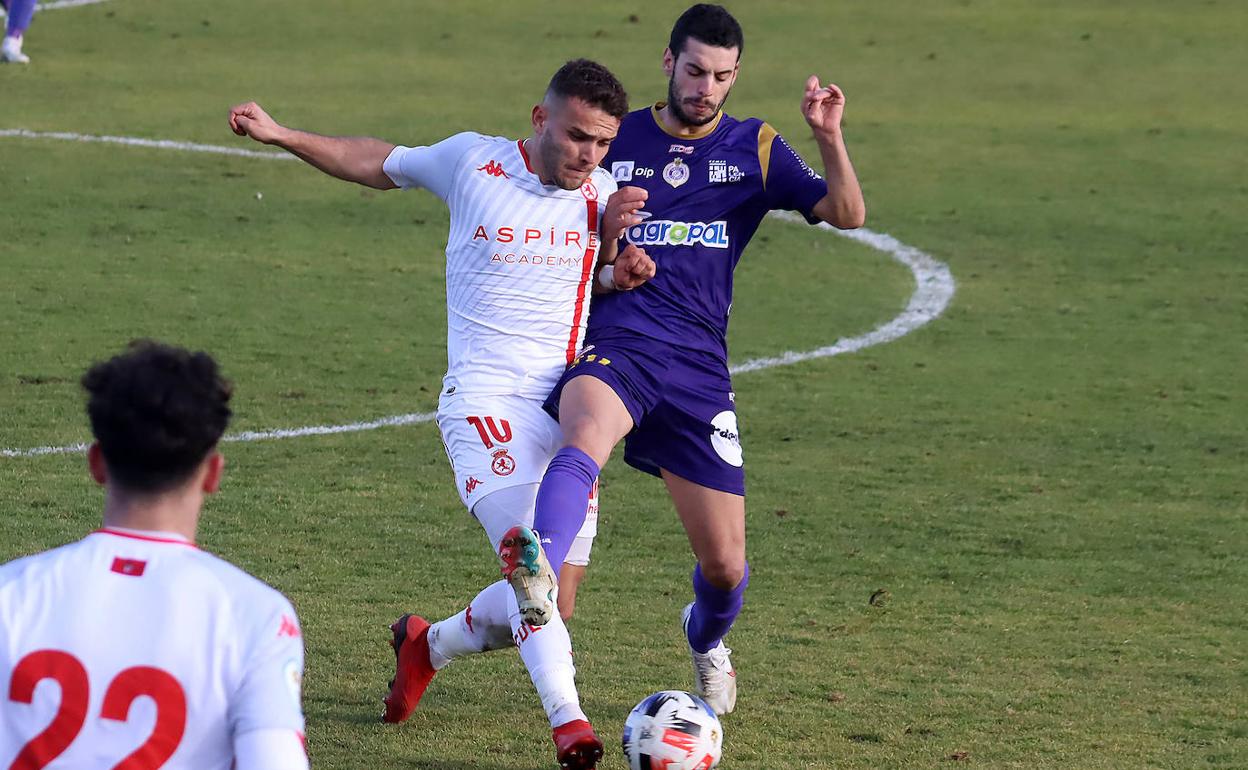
(525,567)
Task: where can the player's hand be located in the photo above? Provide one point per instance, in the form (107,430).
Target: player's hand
(823,106)
(633,267)
(621,213)
(251,120)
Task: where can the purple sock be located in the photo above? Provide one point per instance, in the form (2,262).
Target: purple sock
(714,610)
(561,502)
(20,13)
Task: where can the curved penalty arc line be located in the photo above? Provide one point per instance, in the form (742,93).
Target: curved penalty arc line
(934,290)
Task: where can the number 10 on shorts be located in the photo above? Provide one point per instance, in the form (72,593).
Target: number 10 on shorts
(490,430)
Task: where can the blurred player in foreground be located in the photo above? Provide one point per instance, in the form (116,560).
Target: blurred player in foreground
(132,647)
(521,258)
(18,17)
(654,370)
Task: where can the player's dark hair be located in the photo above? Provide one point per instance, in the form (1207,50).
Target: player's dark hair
(593,84)
(709,24)
(157,412)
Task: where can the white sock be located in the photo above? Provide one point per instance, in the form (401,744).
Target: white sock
(546,650)
(547,654)
(482,626)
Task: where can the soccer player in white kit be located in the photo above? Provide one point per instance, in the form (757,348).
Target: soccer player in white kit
(132,647)
(528,222)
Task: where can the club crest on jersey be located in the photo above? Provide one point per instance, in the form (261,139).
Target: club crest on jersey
(589,191)
(676,173)
(494,168)
(503,465)
(722,171)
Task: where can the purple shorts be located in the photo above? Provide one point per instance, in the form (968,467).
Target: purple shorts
(681,401)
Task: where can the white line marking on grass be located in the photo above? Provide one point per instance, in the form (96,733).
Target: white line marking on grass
(934,289)
(58,4)
(132,141)
(256,435)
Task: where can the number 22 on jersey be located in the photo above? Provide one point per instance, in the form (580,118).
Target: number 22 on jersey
(69,673)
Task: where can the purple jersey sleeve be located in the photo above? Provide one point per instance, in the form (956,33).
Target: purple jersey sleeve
(790,182)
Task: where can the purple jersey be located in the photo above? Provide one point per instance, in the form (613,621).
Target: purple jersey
(706,198)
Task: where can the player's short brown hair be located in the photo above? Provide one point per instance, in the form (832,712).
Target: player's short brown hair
(593,84)
(157,411)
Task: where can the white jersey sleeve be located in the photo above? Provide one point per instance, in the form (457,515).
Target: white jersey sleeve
(269,695)
(432,167)
(269,750)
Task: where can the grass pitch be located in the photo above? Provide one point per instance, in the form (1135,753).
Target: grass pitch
(1043,490)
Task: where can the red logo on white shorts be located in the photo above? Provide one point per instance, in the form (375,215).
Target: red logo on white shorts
(503,465)
(470,485)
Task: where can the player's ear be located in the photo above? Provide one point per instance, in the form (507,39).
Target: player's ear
(212,478)
(539,119)
(669,62)
(96,464)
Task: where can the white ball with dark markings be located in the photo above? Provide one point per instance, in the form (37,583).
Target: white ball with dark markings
(674,730)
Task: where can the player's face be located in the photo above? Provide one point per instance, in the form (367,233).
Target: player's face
(699,80)
(572,138)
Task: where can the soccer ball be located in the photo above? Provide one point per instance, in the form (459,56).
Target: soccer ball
(672,730)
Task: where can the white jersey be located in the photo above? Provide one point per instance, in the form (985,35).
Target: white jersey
(520,259)
(128,644)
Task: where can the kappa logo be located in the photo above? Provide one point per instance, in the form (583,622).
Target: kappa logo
(471,484)
(288,628)
(494,168)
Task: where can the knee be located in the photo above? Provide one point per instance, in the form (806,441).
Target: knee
(590,435)
(725,573)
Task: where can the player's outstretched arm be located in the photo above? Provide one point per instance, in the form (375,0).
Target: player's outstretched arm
(843,206)
(353,158)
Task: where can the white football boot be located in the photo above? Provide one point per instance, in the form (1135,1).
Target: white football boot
(11,51)
(716,679)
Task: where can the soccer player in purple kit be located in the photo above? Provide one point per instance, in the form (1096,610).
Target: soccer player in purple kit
(655,367)
(19,16)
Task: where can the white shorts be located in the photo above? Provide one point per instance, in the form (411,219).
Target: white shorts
(496,442)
